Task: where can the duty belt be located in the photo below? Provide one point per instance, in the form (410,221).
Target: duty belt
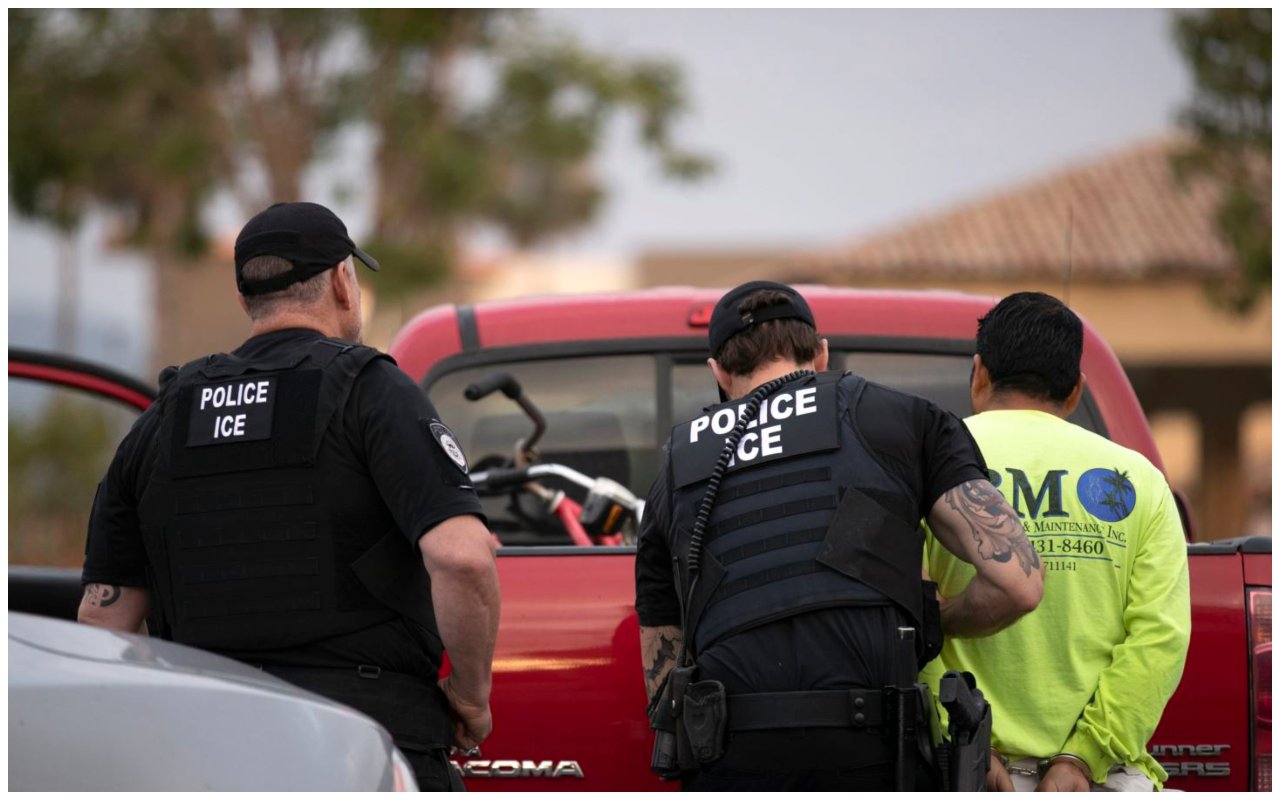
(837,708)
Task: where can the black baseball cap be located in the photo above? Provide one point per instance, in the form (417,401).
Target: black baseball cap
(307,235)
(728,321)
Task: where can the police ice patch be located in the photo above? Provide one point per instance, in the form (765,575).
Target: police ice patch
(449,444)
(231,411)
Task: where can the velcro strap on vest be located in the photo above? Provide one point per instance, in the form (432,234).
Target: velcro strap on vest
(763,546)
(781,481)
(771,513)
(202,608)
(838,708)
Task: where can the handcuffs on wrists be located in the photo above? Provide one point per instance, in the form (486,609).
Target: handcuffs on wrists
(1010,767)
(1043,766)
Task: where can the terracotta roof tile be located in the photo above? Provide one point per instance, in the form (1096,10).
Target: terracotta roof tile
(1132,220)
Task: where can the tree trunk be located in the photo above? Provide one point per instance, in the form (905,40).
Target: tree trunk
(68,289)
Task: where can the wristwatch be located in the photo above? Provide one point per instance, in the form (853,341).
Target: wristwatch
(1043,766)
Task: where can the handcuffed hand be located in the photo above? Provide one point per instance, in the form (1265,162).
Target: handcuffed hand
(998,779)
(1064,776)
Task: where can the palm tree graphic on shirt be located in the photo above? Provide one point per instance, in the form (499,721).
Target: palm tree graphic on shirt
(1118,487)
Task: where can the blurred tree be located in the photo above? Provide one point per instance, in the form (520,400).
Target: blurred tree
(149,112)
(1229,116)
(516,158)
(55,463)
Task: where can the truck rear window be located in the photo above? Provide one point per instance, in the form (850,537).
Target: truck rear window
(609,415)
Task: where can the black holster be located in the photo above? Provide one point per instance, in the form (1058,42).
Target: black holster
(672,755)
(969,725)
(705,717)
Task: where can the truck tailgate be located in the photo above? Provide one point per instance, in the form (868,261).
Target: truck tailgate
(1203,738)
(568,694)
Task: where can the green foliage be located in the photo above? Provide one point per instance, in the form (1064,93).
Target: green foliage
(415,265)
(547,121)
(480,118)
(1229,53)
(55,463)
(517,158)
(107,107)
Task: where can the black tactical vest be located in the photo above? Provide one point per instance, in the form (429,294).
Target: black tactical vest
(253,542)
(802,519)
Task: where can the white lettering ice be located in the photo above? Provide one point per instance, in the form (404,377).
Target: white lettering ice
(228,426)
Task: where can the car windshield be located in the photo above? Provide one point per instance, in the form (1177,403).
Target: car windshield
(609,415)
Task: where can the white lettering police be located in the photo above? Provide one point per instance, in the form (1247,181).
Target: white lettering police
(233,395)
(761,439)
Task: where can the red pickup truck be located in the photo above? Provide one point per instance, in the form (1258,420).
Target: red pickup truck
(611,375)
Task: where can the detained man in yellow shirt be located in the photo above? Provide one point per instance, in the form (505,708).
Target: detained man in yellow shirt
(1077,686)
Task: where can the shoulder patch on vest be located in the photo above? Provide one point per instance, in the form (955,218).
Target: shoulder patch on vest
(449,444)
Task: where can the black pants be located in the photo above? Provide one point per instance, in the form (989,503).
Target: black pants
(432,770)
(724,779)
(813,759)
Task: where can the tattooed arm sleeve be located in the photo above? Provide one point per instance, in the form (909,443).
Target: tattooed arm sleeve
(658,649)
(975,523)
(120,608)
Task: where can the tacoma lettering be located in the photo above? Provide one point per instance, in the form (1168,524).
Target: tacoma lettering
(511,768)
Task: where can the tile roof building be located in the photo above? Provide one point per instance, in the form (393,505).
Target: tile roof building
(1123,217)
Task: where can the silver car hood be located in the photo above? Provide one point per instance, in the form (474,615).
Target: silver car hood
(84,643)
(98,710)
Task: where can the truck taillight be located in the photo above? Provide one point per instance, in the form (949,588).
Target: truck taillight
(700,316)
(1260,685)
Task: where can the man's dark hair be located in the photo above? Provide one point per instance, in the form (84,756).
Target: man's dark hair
(1031,343)
(791,339)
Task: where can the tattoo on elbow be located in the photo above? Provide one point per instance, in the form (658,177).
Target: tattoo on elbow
(102,595)
(996,530)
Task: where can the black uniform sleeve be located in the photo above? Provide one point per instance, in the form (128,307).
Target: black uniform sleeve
(114,551)
(657,601)
(419,481)
(951,455)
(926,446)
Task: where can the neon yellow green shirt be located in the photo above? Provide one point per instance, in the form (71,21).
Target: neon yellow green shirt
(1090,670)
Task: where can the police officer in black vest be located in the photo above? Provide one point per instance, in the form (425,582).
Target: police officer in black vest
(297,504)
(779,559)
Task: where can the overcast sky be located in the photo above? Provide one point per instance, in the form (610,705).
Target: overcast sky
(825,125)
(829,124)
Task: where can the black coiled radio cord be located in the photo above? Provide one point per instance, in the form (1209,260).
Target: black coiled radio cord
(747,414)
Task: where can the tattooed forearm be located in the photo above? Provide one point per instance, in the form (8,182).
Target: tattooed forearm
(102,595)
(666,652)
(658,649)
(995,528)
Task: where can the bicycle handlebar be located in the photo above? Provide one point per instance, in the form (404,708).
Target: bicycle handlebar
(491,383)
(502,477)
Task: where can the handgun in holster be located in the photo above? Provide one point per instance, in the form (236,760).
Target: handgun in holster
(969,727)
(671,752)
